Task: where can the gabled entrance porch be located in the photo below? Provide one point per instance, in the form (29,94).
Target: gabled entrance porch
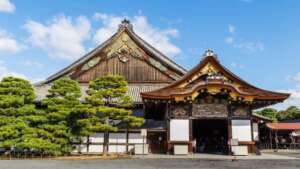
(210,136)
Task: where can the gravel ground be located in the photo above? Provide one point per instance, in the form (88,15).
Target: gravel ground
(150,164)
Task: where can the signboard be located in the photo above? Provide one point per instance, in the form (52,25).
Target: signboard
(144,132)
(209,110)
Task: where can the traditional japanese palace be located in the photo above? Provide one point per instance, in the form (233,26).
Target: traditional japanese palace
(206,109)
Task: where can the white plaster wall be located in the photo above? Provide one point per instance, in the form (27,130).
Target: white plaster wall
(179,130)
(84,139)
(136,138)
(96,149)
(80,148)
(97,138)
(117,148)
(117,138)
(241,130)
(181,149)
(255,131)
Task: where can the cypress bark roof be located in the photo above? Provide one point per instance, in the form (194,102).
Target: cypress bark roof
(217,76)
(125,26)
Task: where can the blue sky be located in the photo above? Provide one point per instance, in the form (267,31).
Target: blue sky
(257,40)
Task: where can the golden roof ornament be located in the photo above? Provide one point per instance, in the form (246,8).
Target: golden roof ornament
(210,52)
(125,24)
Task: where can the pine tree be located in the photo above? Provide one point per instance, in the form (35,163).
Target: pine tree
(64,95)
(19,118)
(107,95)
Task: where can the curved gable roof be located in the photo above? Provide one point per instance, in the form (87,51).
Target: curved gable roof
(246,89)
(127,27)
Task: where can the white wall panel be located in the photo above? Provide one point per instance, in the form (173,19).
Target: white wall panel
(97,138)
(84,139)
(136,138)
(141,149)
(117,138)
(255,131)
(181,149)
(96,149)
(80,149)
(117,148)
(179,130)
(130,147)
(241,130)
(239,150)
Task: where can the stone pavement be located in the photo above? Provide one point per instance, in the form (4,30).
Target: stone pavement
(264,156)
(150,164)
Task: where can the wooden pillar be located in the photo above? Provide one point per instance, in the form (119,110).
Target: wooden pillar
(190,136)
(276,139)
(127,138)
(229,128)
(106,142)
(169,145)
(271,139)
(229,131)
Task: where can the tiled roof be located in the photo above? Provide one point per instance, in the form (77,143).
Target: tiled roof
(134,90)
(284,126)
(149,124)
(255,115)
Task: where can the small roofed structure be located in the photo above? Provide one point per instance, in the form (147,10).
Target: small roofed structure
(283,126)
(284,135)
(212,77)
(211,106)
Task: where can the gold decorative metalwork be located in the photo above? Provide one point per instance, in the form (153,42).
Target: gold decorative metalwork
(213,90)
(91,63)
(240,111)
(124,47)
(179,110)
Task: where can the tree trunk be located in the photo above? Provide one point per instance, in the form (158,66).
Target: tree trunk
(127,137)
(106,135)
(88,144)
(105,143)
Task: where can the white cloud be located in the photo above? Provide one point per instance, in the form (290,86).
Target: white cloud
(297,77)
(246,0)
(236,65)
(229,40)
(100,16)
(231,28)
(294,99)
(250,46)
(158,38)
(62,37)
(4,72)
(8,43)
(7,6)
(32,63)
